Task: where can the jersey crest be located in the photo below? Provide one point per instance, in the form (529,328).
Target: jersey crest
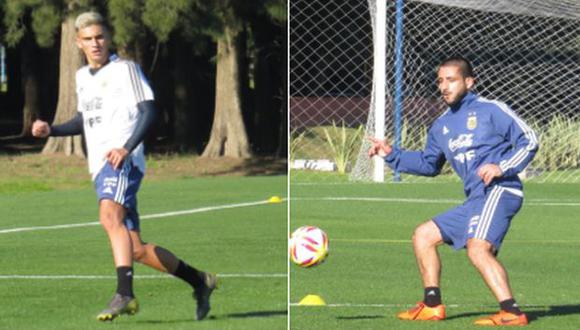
(471,122)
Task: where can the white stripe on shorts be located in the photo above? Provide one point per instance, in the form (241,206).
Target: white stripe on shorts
(122,183)
(488,212)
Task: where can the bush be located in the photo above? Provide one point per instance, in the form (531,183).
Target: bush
(343,145)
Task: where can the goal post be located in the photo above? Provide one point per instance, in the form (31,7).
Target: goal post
(379,79)
(526,53)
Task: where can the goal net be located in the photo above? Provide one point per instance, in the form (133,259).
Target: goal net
(525,53)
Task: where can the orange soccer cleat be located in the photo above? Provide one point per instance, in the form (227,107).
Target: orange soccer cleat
(422,312)
(503,318)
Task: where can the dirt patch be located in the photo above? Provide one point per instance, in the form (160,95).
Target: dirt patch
(167,166)
(59,171)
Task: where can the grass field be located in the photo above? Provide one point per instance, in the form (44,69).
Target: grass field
(371,273)
(235,242)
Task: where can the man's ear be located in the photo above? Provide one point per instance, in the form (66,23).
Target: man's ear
(469,81)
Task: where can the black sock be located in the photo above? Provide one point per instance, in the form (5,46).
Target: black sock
(125,281)
(189,274)
(432,296)
(511,306)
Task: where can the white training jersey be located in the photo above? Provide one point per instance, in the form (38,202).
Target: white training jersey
(108,102)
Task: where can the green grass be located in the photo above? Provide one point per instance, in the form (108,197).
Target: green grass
(244,240)
(371,264)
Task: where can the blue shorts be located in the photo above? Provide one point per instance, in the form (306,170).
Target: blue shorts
(487,218)
(121,186)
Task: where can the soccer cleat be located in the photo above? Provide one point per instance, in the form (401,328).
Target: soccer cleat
(201,295)
(503,318)
(119,305)
(422,312)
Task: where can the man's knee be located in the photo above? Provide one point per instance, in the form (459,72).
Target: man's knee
(427,234)
(111,215)
(478,250)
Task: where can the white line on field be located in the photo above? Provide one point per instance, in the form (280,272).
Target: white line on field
(402,306)
(408,241)
(531,202)
(365,305)
(143,217)
(109,277)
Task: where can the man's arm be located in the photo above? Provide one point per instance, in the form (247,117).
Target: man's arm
(147,114)
(72,127)
(427,162)
(520,135)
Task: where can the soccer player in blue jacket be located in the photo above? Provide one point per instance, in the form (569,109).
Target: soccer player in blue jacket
(487,145)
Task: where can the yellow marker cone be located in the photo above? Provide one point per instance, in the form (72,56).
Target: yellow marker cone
(275,199)
(312,300)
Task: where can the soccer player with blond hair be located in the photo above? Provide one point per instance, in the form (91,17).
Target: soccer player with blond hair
(115,110)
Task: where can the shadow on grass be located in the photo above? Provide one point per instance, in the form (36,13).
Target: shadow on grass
(168,321)
(257,314)
(215,317)
(360,317)
(553,311)
(470,315)
(16,145)
(533,312)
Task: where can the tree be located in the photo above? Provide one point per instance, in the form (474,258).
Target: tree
(277,12)
(126,20)
(164,18)
(70,61)
(268,30)
(19,20)
(228,135)
(30,83)
(46,18)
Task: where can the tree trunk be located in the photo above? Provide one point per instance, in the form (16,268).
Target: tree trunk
(29,71)
(183,125)
(282,151)
(228,134)
(70,61)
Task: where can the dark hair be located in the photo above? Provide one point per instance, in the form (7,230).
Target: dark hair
(464,65)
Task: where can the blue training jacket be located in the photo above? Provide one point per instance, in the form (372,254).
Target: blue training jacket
(475,132)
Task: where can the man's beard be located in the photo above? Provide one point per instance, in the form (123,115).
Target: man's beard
(457,100)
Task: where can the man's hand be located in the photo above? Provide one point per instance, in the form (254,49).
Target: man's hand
(379,147)
(40,129)
(116,157)
(488,172)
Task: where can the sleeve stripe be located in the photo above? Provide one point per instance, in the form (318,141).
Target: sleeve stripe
(136,83)
(518,158)
(521,155)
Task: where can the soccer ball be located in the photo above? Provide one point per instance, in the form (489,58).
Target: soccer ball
(308,246)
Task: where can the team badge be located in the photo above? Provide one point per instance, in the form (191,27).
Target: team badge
(471,122)
(473,222)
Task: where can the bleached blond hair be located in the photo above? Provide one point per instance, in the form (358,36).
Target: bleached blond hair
(87,19)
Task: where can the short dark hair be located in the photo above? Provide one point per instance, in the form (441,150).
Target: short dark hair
(464,65)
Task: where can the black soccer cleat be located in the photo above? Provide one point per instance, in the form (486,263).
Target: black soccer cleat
(119,305)
(202,294)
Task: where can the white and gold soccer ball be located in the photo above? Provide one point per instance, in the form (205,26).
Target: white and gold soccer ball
(308,246)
